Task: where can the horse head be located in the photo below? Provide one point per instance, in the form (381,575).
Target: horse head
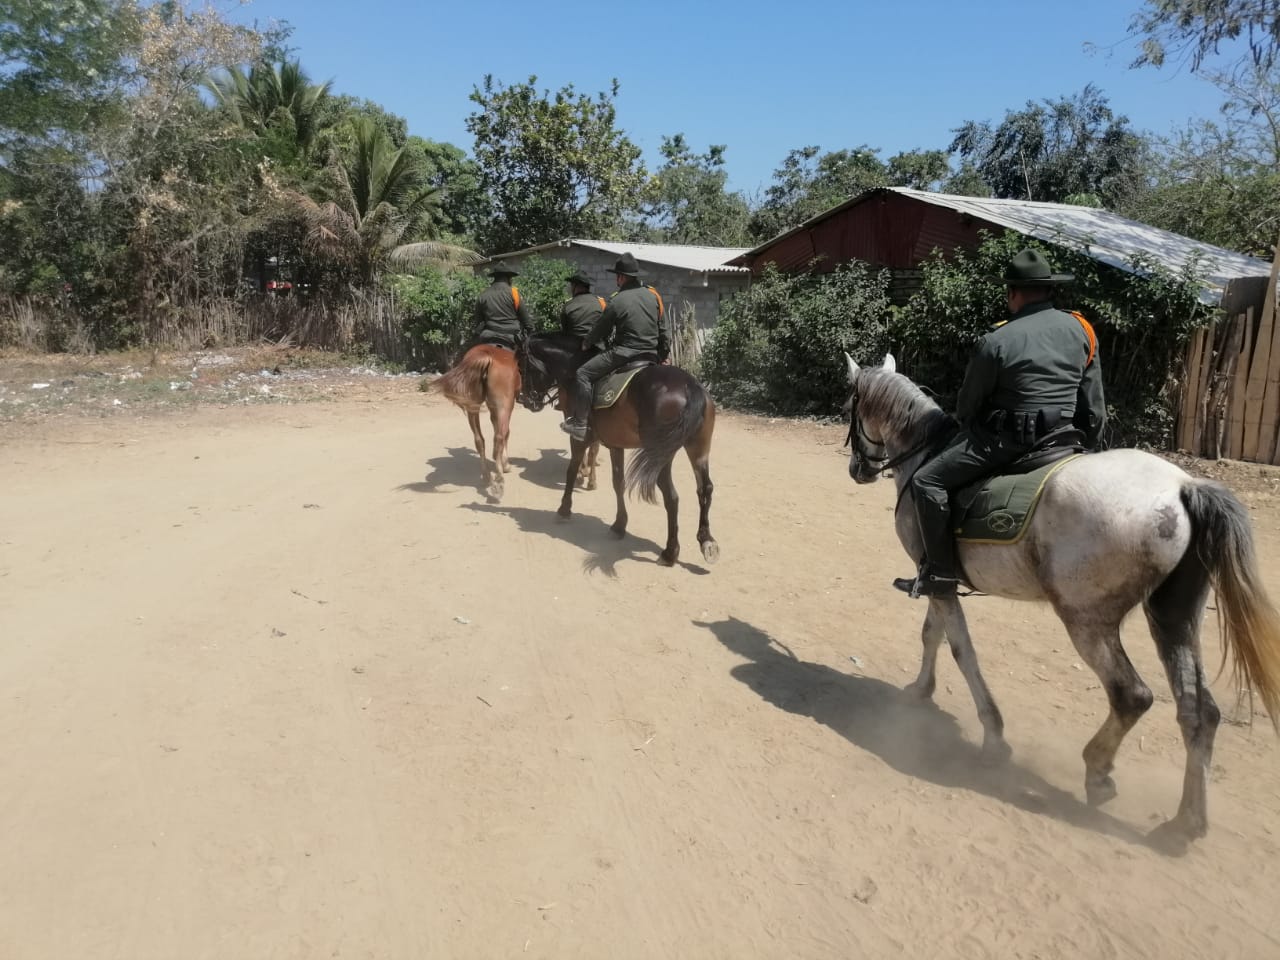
(868,457)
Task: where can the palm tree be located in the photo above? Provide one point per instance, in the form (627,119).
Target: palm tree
(272,98)
(371,203)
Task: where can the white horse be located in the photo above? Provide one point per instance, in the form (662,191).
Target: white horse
(1112,530)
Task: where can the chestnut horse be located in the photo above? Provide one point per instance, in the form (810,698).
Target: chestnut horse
(486,376)
(663,409)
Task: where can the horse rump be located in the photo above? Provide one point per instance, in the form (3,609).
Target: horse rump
(660,439)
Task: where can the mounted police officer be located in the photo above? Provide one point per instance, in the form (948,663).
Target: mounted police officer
(634,323)
(582,310)
(1034,381)
(501,317)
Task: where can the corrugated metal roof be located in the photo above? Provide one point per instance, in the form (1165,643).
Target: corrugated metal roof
(1100,234)
(1105,236)
(681,256)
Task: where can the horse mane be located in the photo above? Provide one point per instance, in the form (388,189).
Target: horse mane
(898,406)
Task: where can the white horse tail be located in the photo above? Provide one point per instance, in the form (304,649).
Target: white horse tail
(1248,621)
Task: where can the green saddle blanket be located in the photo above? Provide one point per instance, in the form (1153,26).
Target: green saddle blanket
(611,386)
(998,509)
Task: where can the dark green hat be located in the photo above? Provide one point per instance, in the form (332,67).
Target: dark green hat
(581,279)
(1030,269)
(500,269)
(627,266)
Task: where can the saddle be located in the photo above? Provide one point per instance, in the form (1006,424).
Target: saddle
(998,508)
(610,387)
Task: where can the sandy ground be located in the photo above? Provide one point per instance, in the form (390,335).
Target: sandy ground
(277,682)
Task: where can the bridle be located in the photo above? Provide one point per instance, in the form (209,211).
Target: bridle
(876,465)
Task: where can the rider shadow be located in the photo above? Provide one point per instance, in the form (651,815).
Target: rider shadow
(547,471)
(916,739)
(460,467)
(589,534)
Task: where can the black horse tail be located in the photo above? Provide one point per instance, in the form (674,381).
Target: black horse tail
(660,441)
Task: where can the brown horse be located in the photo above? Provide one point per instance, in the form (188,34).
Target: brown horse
(486,376)
(663,409)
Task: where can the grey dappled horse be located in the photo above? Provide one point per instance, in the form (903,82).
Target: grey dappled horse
(1112,530)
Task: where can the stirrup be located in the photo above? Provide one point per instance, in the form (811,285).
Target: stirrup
(926,586)
(575,428)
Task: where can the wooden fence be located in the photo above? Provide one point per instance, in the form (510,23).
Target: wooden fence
(1231,394)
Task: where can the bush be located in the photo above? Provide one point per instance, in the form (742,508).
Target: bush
(438,311)
(779,346)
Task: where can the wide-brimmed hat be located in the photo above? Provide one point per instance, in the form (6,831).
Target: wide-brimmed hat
(1030,269)
(500,269)
(626,266)
(581,279)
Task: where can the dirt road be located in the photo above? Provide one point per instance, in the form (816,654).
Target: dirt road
(276,682)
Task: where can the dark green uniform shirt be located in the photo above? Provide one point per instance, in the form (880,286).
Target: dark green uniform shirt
(632,319)
(1036,360)
(578,316)
(496,315)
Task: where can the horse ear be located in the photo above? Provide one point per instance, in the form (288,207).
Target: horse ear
(890,364)
(853,369)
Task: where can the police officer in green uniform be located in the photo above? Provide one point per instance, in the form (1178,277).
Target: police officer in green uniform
(501,317)
(1033,381)
(582,310)
(638,326)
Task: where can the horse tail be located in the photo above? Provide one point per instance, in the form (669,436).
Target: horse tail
(1248,621)
(660,441)
(465,383)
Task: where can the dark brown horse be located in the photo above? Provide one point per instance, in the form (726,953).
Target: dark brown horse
(486,376)
(662,410)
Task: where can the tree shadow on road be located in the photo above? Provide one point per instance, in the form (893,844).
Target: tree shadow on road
(589,534)
(916,739)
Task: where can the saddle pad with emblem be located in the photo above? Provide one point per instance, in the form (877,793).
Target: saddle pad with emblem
(611,386)
(1001,507)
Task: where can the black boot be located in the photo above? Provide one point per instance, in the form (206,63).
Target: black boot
(937,575)
(576,424)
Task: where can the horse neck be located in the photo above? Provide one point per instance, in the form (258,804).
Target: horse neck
(911,427)
(557,357)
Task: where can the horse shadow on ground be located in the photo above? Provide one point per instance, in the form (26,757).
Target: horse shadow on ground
(459,467)
(589,534)
(548,470)
(915,738)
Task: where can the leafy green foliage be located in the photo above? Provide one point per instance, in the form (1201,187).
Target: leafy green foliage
(780,345)
(543,284)
(691,203)
(437,308)
(1192,30)
(1056,150)
(553,165)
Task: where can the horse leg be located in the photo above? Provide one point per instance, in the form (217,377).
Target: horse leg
(994,747)
(1098,643)
(670,500)
(931,637)
(616,459)
(473,418)
(576,451)
(593,459)
(1174,612)
(699,457)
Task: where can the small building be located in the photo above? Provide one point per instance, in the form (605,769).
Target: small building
(898,228)
(687,277)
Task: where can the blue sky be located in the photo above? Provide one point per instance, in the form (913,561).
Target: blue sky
(761,78)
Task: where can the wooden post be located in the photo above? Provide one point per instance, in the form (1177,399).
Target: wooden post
(1270,414)
(1238,382)
(1260,365)
(1190,380)
(1204,385)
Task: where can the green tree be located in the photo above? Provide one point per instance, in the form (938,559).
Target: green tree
(277,102)
(553,165)
(464,207)
(691,202)
(1055,150)
(377,208)
(918,169)
(1192,30)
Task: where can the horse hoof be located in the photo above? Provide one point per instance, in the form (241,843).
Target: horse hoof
(669,557)
(1170,838)
(918,691)
(710,551)
(1099,792)
(564,513)
(618,531)
(590,486)
(995,752)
